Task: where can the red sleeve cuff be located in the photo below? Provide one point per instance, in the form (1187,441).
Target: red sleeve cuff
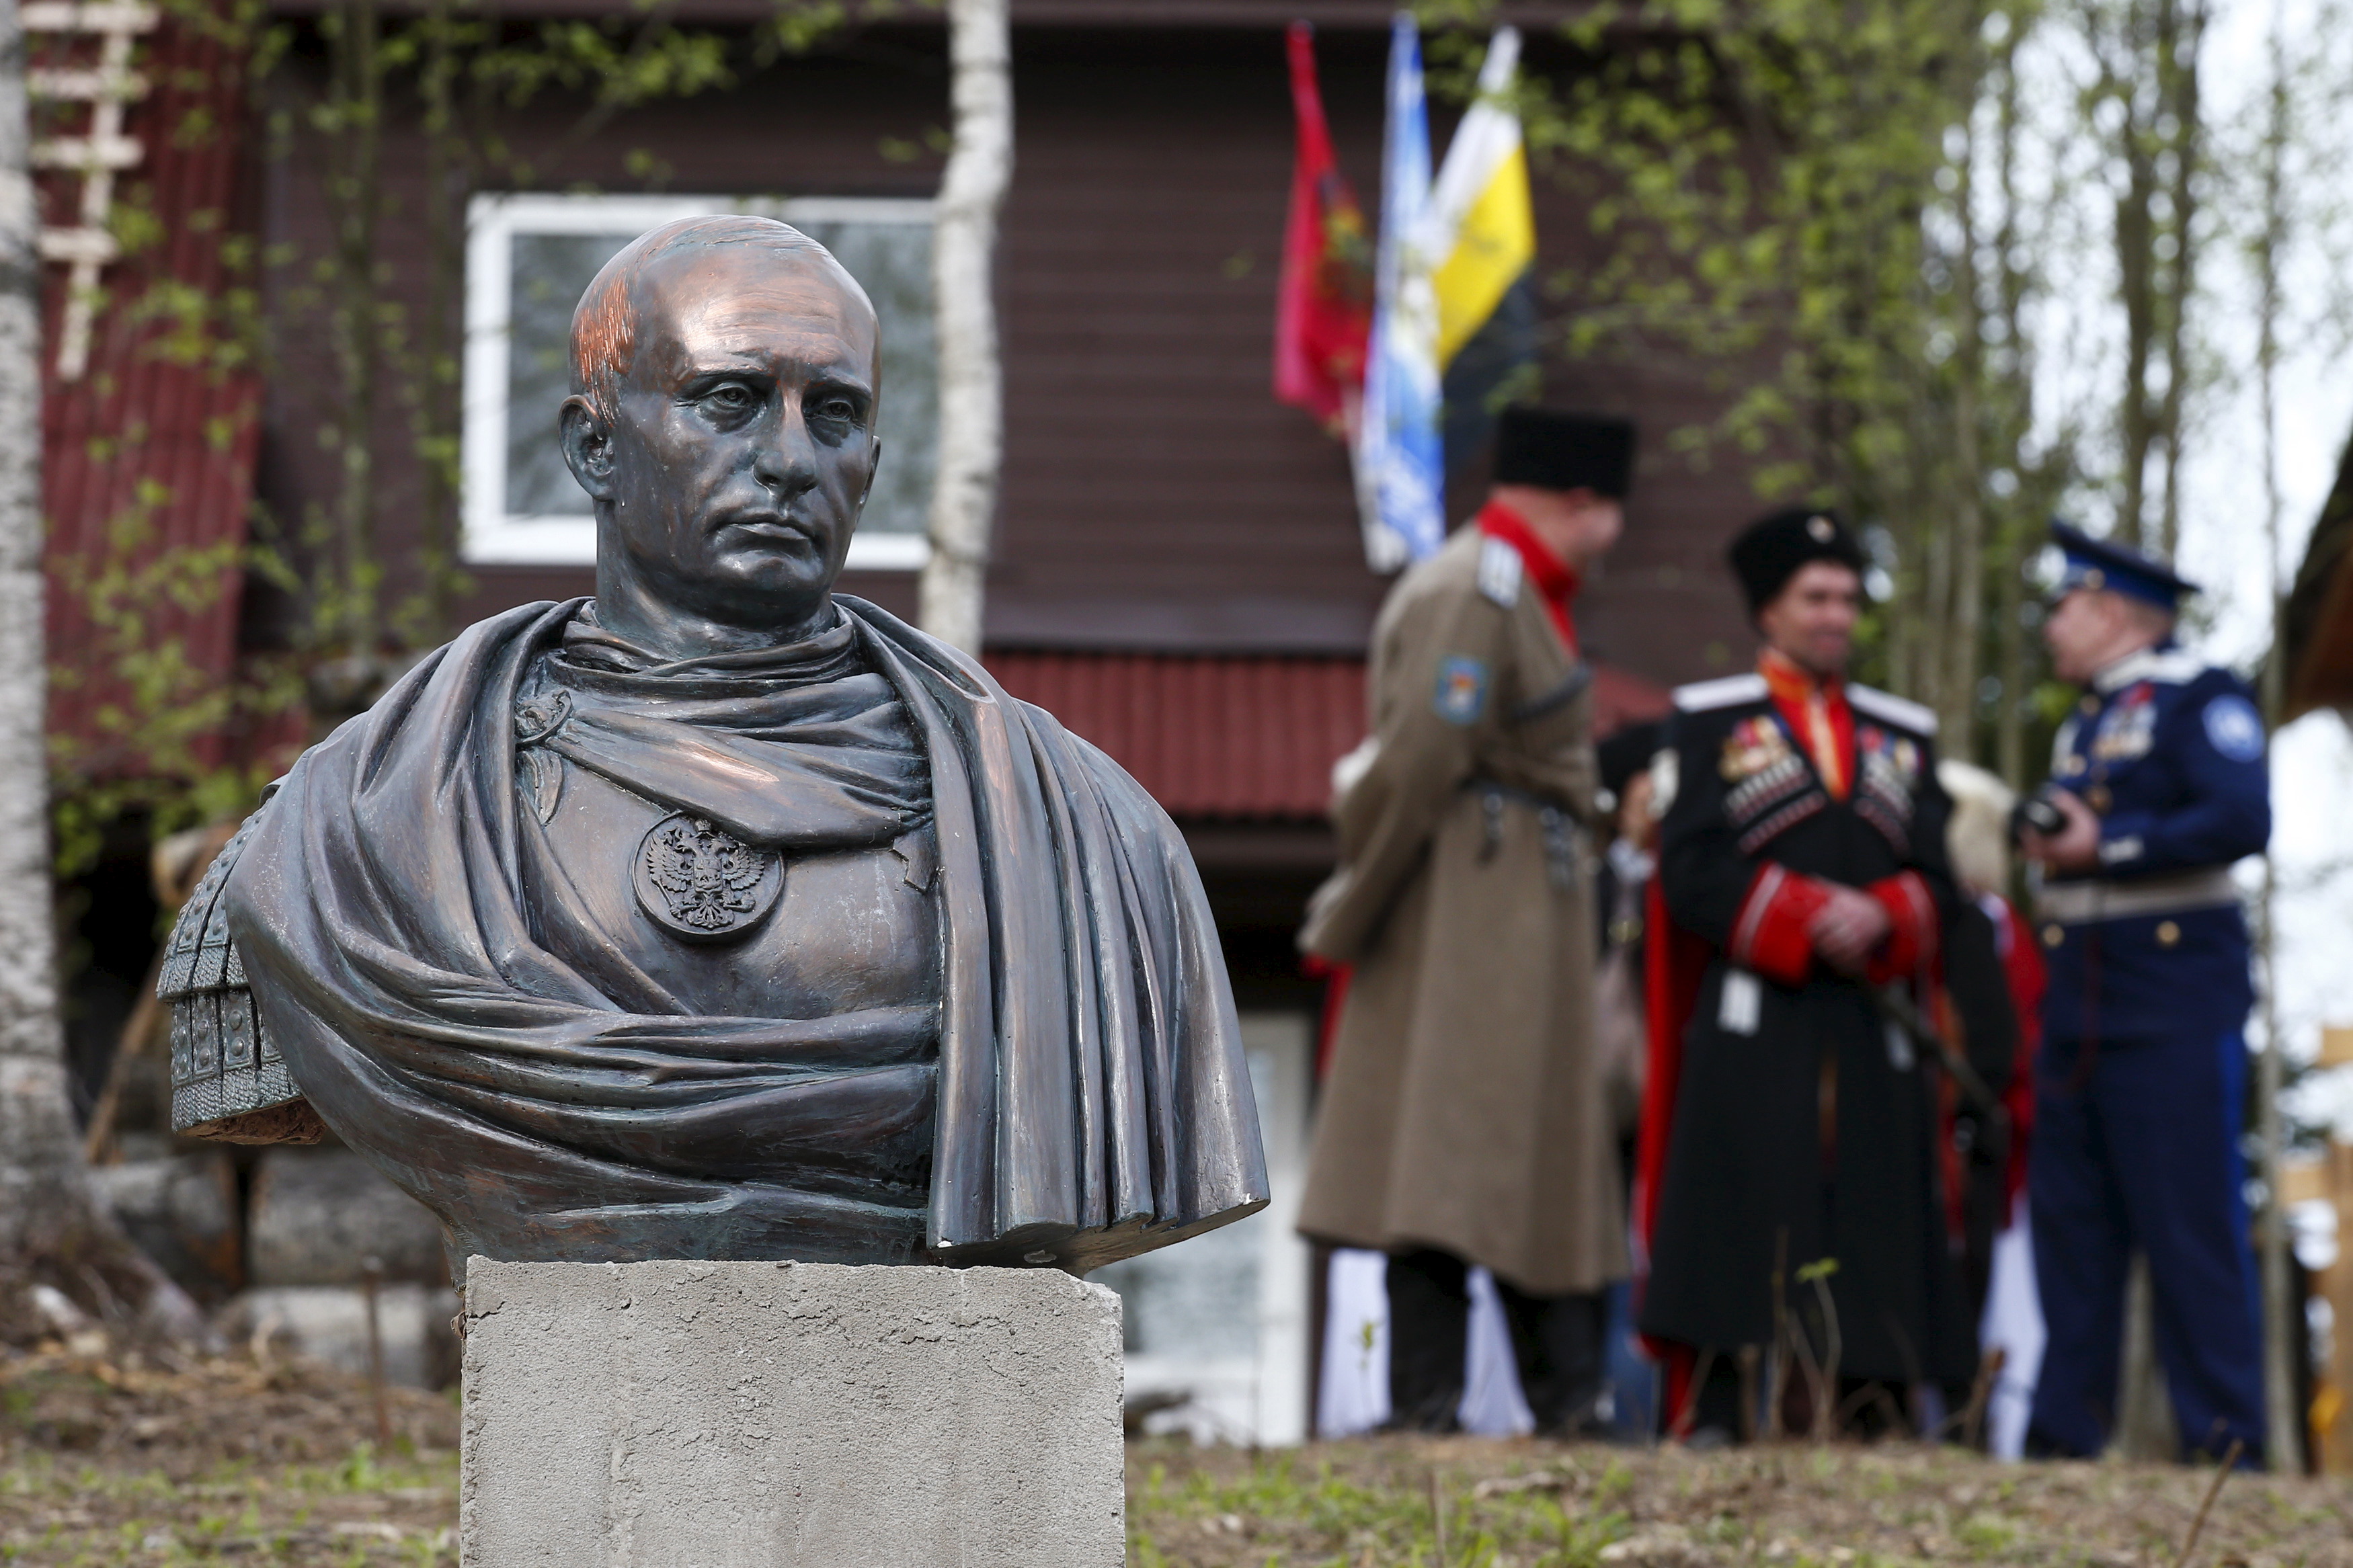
(1769,935)
(1911,945)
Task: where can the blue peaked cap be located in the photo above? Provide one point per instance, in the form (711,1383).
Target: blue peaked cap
(2101,563)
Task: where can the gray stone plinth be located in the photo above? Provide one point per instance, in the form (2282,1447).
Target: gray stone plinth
(789,1415)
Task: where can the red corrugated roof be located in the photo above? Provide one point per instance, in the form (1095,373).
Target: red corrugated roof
(145,460)
(1249,738)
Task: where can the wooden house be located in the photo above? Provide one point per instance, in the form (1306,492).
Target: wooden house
(1178,573)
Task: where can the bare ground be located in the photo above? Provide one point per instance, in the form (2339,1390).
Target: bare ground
(113,1461)
(1529,1505)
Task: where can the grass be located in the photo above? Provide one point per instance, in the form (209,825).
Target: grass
(231,1462)
(362,1513)
(1524,1505)
(117,1461)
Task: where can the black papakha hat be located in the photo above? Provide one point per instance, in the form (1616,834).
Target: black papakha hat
(1556,450)
(1770,551)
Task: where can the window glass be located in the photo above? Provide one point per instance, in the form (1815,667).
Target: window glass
(548,273)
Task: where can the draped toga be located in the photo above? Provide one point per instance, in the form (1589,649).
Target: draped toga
(834,953)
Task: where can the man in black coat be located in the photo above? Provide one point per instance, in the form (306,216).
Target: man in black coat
(1790,1167)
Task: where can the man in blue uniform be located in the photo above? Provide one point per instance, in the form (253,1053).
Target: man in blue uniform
(2159,779)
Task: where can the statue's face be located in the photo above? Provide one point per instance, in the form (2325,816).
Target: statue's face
(744,444)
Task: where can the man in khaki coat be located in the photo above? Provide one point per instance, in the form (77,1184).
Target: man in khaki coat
(1464,1120)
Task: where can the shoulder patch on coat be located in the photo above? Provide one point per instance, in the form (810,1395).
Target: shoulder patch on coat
(1461,693)
(1900,711)
(1499,571)
(2235,728)
(1700,696)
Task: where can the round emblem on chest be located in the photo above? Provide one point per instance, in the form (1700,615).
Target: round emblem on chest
(700,882)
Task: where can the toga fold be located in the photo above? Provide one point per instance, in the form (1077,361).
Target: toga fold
(1064,1084)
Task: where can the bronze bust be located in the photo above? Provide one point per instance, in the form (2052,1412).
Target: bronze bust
(721,916)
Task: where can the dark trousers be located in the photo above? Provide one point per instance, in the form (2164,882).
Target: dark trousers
(1728,1406)
(1556,1342)
(2140,1147)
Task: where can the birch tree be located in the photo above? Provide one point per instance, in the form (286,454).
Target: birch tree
(972,390)
(54,1232)
(2147,89)
(2267,254)
(1817,204)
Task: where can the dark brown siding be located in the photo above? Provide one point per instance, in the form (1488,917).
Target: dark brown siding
(1156,498)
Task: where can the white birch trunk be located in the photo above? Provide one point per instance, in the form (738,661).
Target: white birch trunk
(32,1102)
(2286,1427)
(972,391)
(53,1229)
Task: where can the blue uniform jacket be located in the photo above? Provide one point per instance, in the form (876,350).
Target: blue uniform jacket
(2170,752)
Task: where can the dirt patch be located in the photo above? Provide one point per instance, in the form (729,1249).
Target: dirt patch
(219,1461)
(120,1460)
(1377,1504)
(184,1420)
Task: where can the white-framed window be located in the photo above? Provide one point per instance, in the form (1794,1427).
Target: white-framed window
(1220,1322)
(529,258)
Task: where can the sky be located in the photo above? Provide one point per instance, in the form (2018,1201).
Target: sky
(2224,535)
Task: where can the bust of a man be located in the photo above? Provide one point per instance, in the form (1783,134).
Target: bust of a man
(721,916)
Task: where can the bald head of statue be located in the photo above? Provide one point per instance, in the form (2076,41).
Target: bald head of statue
(725,380)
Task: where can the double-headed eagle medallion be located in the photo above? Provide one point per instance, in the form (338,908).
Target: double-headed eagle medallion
(700,882)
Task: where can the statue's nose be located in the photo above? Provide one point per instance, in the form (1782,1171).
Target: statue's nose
(785,461)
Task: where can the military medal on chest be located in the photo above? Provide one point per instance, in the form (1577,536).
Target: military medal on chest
(2129,728)
(702,883)
(1892,766)
(1756,747)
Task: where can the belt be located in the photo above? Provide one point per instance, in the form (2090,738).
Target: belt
(2081,903)
(1561,828)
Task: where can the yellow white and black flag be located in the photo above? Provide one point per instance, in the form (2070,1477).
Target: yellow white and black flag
(1478,237)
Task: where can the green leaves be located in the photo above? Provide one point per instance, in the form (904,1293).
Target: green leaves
(330,94)
(1810,202)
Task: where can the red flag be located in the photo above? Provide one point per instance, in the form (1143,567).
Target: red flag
(1323,310)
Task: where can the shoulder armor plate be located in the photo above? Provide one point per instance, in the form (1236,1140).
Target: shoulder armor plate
(1499,571)
(1890,708)
(1729,691)
(223,1063)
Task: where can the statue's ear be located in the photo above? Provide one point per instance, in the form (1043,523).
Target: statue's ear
(873,469)
(587,446)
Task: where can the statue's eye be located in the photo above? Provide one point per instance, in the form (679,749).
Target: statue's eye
(834,406)
(731,399)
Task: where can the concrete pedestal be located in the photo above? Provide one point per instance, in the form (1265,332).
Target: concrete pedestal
(789,1415)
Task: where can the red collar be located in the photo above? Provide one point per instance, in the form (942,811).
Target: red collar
(1832,743)
(1790,681)
(1554,578)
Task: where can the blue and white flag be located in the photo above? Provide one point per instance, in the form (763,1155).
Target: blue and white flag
(1400,462)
